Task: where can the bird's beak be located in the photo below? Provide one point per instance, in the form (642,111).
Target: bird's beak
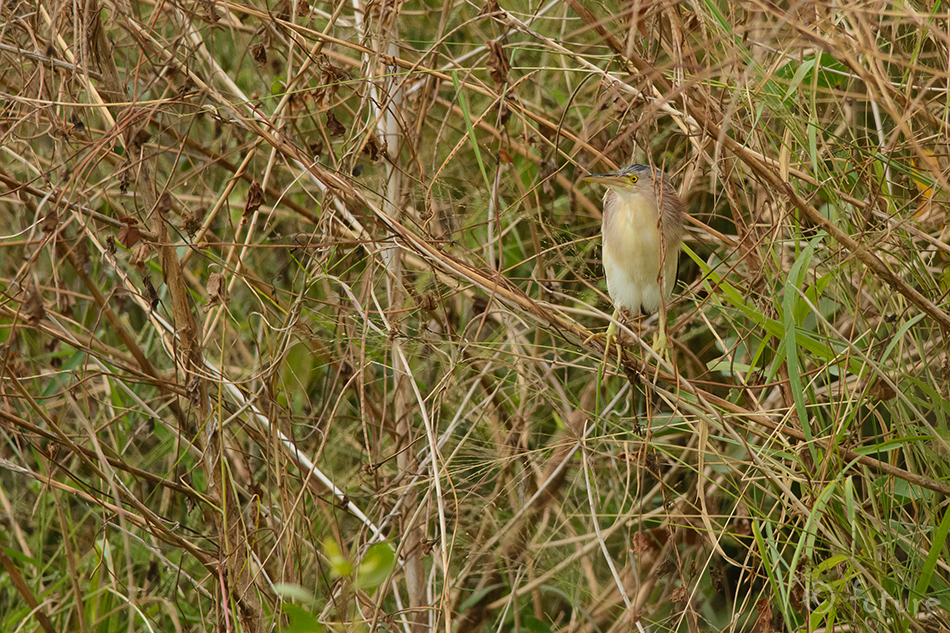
(609,180)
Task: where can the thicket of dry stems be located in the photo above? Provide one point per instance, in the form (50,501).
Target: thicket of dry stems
(295,300)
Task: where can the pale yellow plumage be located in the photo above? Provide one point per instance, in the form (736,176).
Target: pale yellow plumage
(643,229)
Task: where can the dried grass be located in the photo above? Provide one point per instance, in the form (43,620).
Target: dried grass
(295,302)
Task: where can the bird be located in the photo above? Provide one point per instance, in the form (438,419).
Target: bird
(642,234)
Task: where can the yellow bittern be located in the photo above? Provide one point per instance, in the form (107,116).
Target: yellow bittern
(643,230)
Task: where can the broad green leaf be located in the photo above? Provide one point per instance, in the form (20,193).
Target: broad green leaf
(377,564)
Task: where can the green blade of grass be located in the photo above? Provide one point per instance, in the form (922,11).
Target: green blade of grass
(463,104)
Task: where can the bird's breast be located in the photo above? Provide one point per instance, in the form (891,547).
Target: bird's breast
(632,253)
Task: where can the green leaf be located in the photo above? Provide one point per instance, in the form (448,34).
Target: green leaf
(463,105)
(377,565)
(939,542)
(535,625)
(291,591)
(340,564)
(301,620)
(794,281)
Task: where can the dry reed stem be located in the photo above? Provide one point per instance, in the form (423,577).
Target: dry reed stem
(396,354)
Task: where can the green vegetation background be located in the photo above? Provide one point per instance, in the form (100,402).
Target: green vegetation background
(296,303)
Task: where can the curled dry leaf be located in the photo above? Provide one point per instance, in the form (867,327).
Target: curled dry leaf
(193,389)
(187,87)
(50,222)
(217,291)
(490,7)
(796,596)
(764,622)
(881,391)
(129,236)
(125,177)
(428,302)
(331,77)
(374,149)
(330,72)
(33,307)
(643,542)
(139,140)
(150,292)
(255,198)
(165,204)
(717,579)
(140,255)
(192,223)
(259,54)
(210,15)
(334,127)
(498,65)
(679,594)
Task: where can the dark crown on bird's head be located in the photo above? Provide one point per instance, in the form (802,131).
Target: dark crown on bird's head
(638,175)
(640,170)
(634,179)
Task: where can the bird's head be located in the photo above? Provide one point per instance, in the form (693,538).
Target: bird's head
(632,180)
(635,184)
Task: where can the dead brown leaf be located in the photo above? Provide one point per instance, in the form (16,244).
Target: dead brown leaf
(881,391)
(33,307)
(490,7)
(124,177)
(717,579)
(129,236)
(334,127)
(428,302)
(139,140)
(150,292)
(331,77)
(191,224)
(679,595)
(643,542)
(259,54)
(374,149)
(140,255)
(50,222)
(255,198)
(763,623)
(217,289)
(165,204)
(498,64)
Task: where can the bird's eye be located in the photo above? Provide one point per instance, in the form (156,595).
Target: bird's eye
(632,178)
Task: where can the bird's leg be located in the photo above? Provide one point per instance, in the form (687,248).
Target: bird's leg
(609,336)
(612,334)
(660,343)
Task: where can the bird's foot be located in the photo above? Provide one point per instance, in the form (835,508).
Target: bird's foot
(610,337)
(599,336)
(661,344)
